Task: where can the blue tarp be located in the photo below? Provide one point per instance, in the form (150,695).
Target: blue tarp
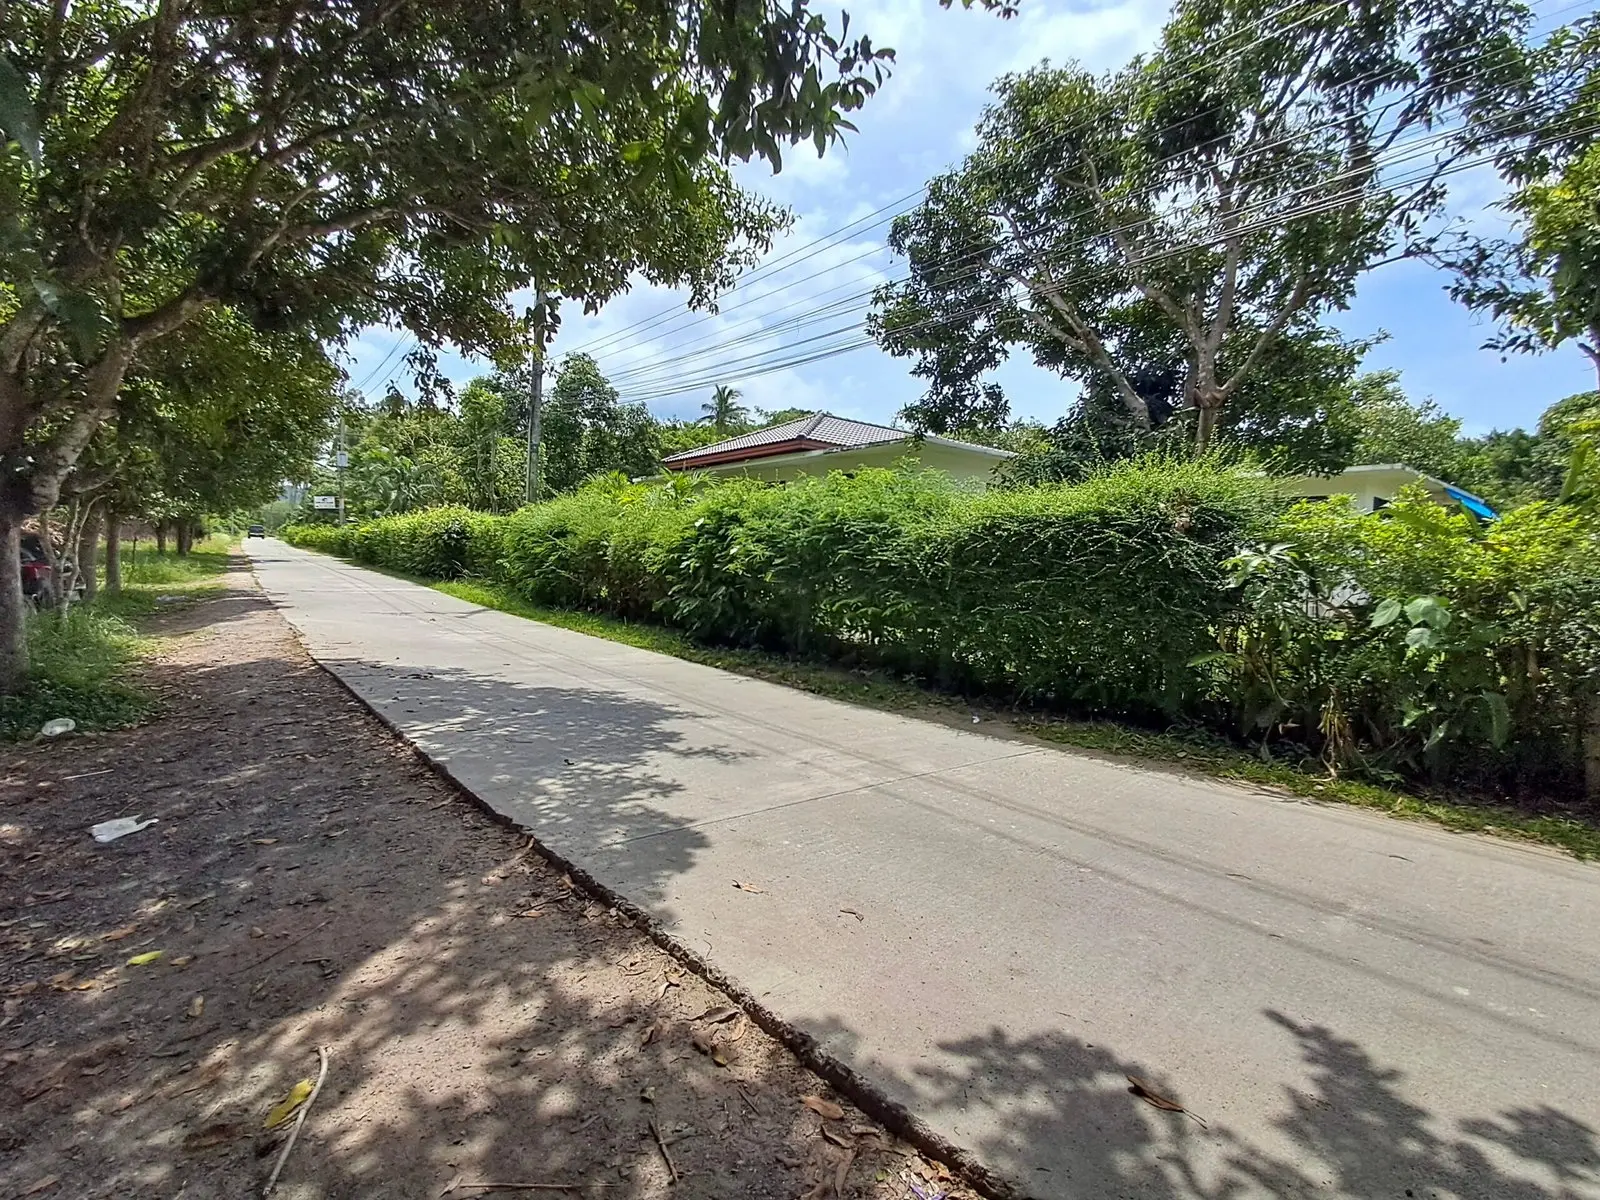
(1471,503)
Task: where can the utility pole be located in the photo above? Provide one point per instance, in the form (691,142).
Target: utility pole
(340,460)
(535,396)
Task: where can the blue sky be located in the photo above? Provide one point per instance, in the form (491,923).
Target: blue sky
(920,123)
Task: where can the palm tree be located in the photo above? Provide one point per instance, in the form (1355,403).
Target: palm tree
(723,411)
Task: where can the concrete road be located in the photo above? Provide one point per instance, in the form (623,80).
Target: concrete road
(997,934)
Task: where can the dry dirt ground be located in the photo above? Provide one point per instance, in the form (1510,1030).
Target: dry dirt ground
(310,884)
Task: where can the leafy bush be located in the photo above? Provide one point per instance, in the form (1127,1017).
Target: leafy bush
(1420,641)
(1415,641)
(330,539)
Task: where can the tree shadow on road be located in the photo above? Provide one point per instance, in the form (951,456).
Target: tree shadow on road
(1064,1102)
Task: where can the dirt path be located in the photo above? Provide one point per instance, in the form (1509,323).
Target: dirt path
(310,884)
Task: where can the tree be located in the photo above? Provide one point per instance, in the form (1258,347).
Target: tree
(587,432)
(1394,430)
(322,165)
(1200,204)
(723,411)
(1543,284)
(781,416)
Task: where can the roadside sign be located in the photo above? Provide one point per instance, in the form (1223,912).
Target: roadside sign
(341,459)
(325,502)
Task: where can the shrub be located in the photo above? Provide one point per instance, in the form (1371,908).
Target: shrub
(1421,641)
(1415,641)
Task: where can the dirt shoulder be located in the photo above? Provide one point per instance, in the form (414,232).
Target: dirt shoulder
(309,883)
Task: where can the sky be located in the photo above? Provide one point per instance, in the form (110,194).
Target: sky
(920,123)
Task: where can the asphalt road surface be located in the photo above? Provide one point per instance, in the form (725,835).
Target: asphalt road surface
(997,934)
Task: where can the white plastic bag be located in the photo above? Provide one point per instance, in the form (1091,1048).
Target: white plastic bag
(110,831)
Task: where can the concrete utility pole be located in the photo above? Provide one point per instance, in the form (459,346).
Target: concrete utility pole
(340,460)
(535,397)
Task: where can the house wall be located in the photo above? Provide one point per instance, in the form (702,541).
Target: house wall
(1365,488)
(958,464)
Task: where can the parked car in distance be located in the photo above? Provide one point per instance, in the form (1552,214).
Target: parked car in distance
(37,573)
(256,531)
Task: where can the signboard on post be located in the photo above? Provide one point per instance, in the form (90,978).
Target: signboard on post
(329,502)
(341,459)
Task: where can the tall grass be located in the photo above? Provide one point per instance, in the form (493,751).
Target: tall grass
(79,662)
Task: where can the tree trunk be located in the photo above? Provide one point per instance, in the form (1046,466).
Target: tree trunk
(161,537)
(88,555)
(1204,426)
(185,536)
(53,581)
(114,554)
(13,607)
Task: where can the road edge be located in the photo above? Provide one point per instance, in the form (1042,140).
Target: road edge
(846,1080)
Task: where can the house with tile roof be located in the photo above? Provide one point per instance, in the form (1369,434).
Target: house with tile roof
(821,442)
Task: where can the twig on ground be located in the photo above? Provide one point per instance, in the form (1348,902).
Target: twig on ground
(300,1118)
(289,945)
(743,1095)
(672,1167)
(527,1187)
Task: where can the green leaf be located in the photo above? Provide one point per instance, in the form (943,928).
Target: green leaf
(18,118)
(1428,610)
(632,152)
(145,959)
(1421,638)
(1499,718)
(78,311)
(1386,613)
(1577,470)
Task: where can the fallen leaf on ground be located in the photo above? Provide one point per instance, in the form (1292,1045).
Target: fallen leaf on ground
(49,1181)
(717,1016)
(748,887)
(182,961)
(826,1109)
(454,1183)
(652,1033)
(257,932)
(722,1055)
(212,1135)
(740,1028)
(266,841)
(149,956)
(116,935)
(62,981)
(284,1109)
(837,1136)
(532,912)
(1146,1091)
(841,1174)
(853,913)
(196,1007)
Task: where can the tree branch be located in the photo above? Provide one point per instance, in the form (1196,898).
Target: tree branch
(1297,298)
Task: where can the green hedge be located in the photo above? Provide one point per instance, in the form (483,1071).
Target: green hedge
(1413,642)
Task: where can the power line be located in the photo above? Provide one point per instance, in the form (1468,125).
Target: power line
(642,344)
(682,387)
(1208,64)
(647,374)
